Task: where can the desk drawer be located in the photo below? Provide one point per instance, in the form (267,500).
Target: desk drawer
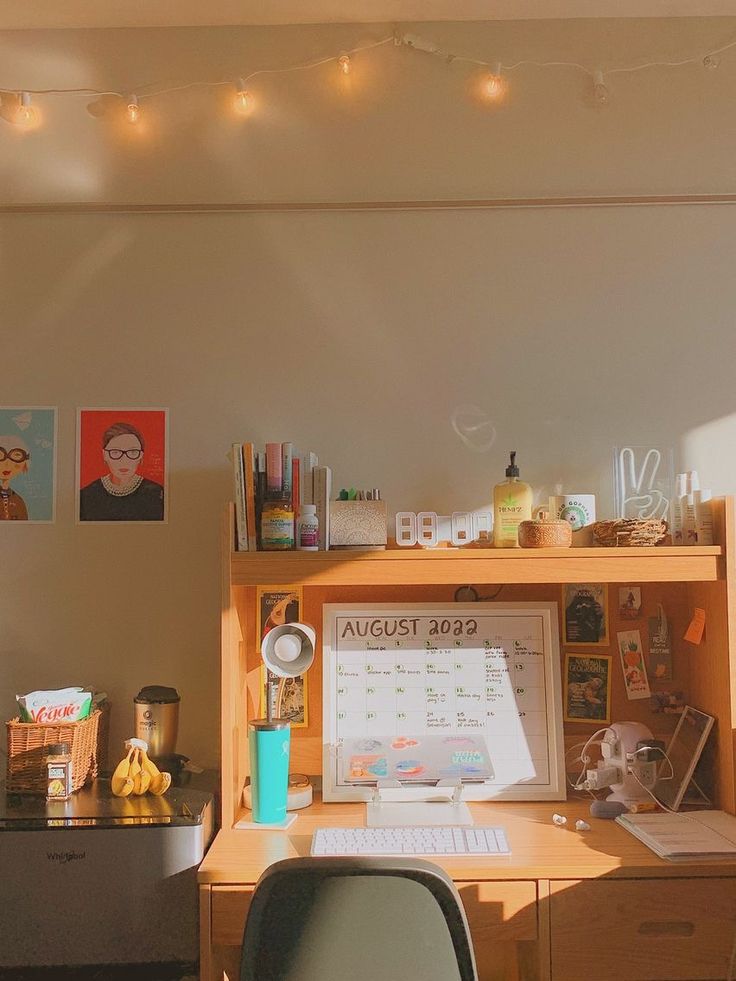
(229,909)
(643,929)
(496,911)
(499,911)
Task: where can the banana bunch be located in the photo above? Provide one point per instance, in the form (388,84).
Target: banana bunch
(137,774)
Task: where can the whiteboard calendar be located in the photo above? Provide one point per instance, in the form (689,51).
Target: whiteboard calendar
(423,691)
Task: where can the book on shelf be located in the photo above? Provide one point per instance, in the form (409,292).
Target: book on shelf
(279,468)
(295,489)
(260,492)
(322,494)
(287,452)
(308,462)
(249,466)
(685,836)
(241,520)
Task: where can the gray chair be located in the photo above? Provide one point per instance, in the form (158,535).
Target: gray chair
(356,919)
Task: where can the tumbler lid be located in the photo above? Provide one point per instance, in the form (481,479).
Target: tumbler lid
(266,725)
(157,693)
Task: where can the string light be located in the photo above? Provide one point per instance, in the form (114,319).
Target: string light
(600,89)
(495,84)
(133,109)
(242,99)
(25,114)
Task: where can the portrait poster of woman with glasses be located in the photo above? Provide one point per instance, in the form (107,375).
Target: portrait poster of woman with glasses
(27,463)
(122,464)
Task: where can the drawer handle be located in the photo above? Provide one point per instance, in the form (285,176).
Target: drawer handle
(667,928)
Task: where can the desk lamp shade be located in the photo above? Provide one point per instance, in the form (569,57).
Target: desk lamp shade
(288,650)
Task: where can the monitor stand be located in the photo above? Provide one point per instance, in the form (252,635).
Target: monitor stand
(398,805)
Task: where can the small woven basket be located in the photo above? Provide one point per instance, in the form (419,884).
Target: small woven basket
(629,531)
(27,742)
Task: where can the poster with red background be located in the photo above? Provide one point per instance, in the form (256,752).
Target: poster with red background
(151,423)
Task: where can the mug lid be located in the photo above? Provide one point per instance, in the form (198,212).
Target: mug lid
(157,693)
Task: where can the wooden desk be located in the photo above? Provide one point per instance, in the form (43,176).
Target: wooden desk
(565,906)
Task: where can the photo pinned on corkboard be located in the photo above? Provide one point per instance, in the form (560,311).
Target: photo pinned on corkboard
(122,465)
(629,602)
(585,614)
(587,695)
(632,664)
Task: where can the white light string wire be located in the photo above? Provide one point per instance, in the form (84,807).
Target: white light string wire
(150,91)
(143,93)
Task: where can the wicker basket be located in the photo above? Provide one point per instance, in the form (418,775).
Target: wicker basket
(27,742)
(629,531)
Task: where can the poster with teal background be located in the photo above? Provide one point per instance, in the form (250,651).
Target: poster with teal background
(27,463)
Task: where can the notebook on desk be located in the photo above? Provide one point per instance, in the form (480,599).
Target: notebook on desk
(686,837)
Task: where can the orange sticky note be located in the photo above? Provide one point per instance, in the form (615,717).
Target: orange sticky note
(694,633)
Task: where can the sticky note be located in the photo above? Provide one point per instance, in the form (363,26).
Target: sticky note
(694,633)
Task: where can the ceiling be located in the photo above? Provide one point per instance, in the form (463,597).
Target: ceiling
(21,14)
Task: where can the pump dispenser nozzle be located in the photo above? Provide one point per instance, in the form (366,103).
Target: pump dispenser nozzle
(512,470)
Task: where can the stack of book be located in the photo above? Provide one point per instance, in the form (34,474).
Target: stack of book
(281,470)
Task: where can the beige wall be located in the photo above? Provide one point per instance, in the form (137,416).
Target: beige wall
(359,335)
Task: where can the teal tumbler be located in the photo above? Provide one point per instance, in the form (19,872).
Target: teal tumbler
(268,745)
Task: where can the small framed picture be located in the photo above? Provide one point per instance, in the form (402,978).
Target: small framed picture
(585,614)
(122,465)
(587,688)
(28,464)
(629,602)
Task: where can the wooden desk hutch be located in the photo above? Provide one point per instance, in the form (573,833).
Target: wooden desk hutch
(567,906)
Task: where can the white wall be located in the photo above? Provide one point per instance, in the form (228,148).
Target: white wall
(359,335)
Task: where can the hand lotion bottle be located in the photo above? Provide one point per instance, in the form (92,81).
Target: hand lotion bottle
(512,504)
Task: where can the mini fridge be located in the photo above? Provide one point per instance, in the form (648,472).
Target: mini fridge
(100,879)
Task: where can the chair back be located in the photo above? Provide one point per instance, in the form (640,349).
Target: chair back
(356,919)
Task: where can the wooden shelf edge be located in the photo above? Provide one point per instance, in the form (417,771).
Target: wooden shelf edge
(435,567)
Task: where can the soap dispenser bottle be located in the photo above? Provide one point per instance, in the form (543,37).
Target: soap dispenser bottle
(512,504)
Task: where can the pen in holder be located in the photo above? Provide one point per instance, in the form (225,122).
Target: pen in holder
(287,651)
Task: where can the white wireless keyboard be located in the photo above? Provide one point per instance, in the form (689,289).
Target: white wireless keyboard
(410,841)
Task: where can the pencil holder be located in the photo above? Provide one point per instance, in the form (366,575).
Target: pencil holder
(357,524)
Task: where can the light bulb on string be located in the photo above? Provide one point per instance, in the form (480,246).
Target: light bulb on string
(25,114)
(133,109)
(344,63)
(494,86)
(242,102)
(600,89)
